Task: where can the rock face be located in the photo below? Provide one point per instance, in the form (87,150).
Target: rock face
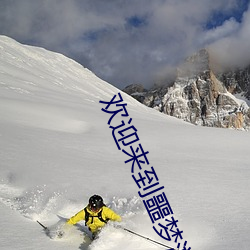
(136,90)
(237,81)
(200,97)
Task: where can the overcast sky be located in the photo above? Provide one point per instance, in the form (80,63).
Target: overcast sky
(131,41)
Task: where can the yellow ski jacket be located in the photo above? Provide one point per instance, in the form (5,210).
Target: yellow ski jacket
(94,223)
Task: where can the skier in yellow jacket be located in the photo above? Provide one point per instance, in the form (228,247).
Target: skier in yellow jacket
(96,215)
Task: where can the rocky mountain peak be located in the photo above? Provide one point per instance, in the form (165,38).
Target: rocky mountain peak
(196,64)
(200,96)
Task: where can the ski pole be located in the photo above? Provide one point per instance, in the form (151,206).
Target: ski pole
(45,228)
(154,241)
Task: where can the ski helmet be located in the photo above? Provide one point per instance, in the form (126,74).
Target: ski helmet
(96,202)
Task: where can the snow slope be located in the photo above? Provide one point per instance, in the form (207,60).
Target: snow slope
(56,150)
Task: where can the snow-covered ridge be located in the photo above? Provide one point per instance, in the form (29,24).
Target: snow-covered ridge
(33,74)
(35,67)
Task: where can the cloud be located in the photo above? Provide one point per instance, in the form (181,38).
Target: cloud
(228,28)
(126,42)
(233,49)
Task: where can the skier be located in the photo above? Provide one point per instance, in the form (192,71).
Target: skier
(95,214)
